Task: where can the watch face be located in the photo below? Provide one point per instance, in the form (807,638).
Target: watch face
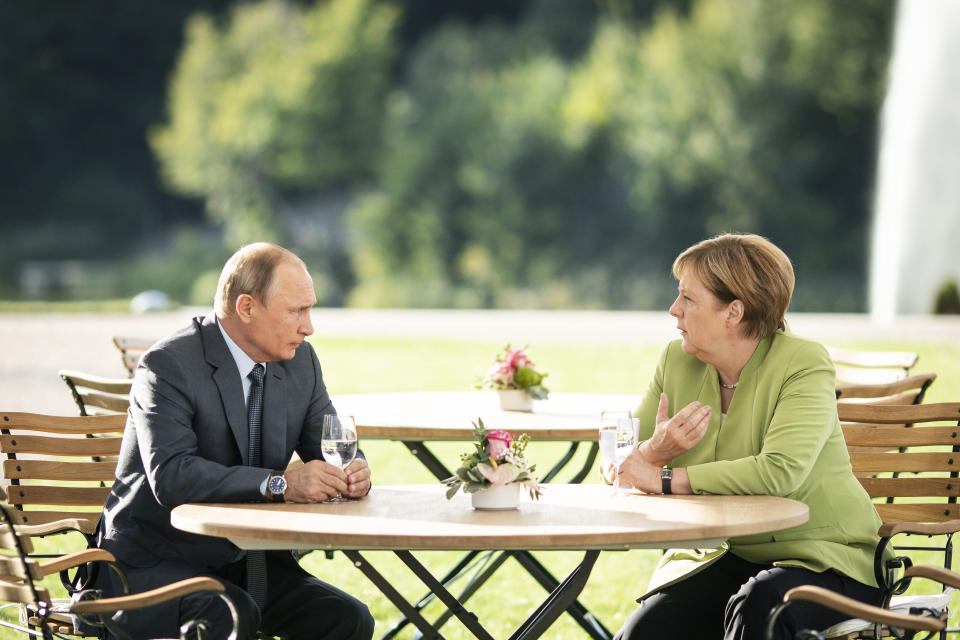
(277,485)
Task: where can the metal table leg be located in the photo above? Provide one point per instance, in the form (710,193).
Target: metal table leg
(559,600)
(594,628)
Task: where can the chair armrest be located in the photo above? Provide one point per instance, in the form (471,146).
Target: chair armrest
(166,593)
(857,609)
(933,572)
(71,560)
(83,525)
(923,528)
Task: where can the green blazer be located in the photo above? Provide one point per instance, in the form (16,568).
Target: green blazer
(781,437)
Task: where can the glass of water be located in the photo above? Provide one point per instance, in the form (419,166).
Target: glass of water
(609,425)
(339,444)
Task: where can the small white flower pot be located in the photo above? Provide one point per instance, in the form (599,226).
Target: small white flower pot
(515,400)
(497,497)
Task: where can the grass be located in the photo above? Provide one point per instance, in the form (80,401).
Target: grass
(388,364)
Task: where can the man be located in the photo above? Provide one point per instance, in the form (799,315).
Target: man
(196,405)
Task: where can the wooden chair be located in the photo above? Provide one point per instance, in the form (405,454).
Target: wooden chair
(130,350)
(95,395)
(871,367)
(60,468)
(907,457)
(898,617)
(909,390)
(42,616)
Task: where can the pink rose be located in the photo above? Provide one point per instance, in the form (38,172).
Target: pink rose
(498,442)
(517,358)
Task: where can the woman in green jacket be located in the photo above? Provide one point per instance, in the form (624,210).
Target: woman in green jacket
(757,415)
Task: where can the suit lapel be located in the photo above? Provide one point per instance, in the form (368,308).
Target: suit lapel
(227,379)
(274,432)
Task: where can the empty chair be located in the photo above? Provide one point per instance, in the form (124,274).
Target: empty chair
(95,395)
(130,350)
(909,390)
(871,367)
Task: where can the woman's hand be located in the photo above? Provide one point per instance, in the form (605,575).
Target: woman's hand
(676,435)
(636,471)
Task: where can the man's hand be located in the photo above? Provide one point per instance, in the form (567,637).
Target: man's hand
(358,478)
(676,435)
(315,481)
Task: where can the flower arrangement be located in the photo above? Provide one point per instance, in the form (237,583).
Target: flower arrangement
(513,369)
(497,459)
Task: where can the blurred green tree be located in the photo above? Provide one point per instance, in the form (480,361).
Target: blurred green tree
(280,101)
(515,175)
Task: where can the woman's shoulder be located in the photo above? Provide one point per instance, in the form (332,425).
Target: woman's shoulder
(797,352)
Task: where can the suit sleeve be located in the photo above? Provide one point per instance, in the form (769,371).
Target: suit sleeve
(805,416)
(162,411)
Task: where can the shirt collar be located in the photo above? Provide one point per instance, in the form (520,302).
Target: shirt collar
(244,362)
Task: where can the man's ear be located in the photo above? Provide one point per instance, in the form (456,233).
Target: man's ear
(244,307)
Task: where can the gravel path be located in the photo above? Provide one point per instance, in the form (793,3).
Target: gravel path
(33,347)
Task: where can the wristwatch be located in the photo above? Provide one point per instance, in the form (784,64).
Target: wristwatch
(276,486)
(666,476)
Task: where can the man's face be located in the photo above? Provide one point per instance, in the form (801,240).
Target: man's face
(274,329)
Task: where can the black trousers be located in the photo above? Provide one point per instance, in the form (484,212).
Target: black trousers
(732,598)
(298,606)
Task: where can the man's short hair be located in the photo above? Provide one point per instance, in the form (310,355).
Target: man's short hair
(250,271)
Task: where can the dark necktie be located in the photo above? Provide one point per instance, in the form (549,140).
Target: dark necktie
(256,560)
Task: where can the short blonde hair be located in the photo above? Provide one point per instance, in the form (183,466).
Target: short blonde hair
(250,271)
(743,267)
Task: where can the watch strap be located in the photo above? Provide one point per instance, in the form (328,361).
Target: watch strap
(666,478)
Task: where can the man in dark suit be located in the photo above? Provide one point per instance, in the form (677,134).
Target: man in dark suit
(188,439)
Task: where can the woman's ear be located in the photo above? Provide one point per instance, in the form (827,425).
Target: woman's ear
(734,313)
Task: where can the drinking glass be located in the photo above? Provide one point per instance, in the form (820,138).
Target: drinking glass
(626,441)
(609,421)
(339,444)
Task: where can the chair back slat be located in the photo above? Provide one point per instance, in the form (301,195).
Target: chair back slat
(56,470)
(79,425)
(918,512)
(911,487)
(60,446)
(22,593)
(35,494)
(14,567)
(899,414)
(857,435)
(898,462)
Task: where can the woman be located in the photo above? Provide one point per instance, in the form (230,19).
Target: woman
(758,416)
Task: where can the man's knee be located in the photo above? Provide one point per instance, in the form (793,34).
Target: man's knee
(218,616)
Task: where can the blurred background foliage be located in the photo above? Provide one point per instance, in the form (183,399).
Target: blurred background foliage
(502,153)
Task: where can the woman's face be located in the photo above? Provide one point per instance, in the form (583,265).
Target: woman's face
(701,318)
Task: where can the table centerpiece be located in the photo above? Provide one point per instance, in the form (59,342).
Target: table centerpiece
(495,470)
(515,379)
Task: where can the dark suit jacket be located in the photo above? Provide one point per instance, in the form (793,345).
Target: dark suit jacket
(186,441)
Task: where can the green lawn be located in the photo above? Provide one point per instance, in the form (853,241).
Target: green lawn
(386,364)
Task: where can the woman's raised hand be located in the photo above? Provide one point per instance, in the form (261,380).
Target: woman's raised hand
(676,435)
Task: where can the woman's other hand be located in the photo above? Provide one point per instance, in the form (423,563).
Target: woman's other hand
(676,435)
